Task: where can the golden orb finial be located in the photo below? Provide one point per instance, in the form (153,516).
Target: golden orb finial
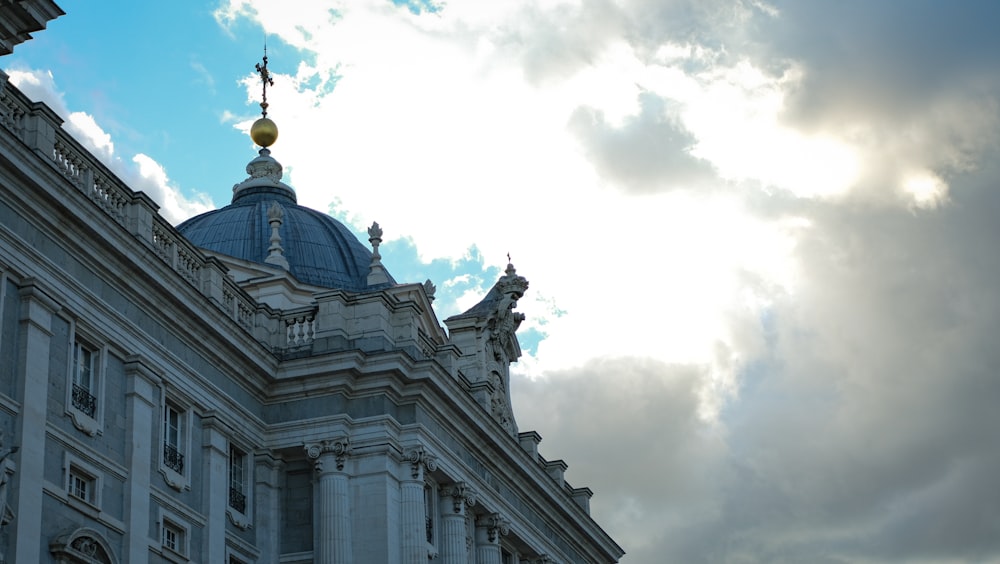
(264,132)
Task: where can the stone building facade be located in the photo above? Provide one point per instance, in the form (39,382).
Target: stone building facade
(250,386)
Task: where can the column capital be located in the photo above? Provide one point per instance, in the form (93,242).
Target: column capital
(494,525)
(338,449)
(420,461)
(462,496)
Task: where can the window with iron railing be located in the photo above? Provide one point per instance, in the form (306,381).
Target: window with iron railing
(84,375)
(237,479)
(173,437)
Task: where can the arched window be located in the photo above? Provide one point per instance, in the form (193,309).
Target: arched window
(82,546)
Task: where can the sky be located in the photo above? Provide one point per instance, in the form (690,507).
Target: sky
(762,315)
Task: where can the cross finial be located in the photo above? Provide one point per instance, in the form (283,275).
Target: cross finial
(265,78)
(508,257)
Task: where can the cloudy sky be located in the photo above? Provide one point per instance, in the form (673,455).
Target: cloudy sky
(763,314)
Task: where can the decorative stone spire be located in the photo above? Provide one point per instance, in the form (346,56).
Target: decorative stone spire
(376,272)
(275,253)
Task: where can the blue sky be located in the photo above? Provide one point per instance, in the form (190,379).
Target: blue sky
(758,233)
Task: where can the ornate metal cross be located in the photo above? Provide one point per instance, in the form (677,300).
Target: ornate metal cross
(265,78)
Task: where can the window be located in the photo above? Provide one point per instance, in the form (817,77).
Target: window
(84,386)
(429,512)
(240,505)
(80,485)
(173,537)
(175,448)
(237,479)
(83,379)
(173,436)
(82,482)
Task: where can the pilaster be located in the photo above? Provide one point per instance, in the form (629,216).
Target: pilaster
(268,473)
(37,309)
(215,486)
(141,383)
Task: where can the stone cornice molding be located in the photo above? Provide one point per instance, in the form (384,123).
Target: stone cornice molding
(420,462)
(462,496)
(494,524)
(338,449)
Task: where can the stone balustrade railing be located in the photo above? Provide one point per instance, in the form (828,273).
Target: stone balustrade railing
(39,128)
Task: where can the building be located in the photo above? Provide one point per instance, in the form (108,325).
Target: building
(250,386)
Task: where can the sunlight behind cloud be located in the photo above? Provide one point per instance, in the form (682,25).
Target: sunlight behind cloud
(926,189)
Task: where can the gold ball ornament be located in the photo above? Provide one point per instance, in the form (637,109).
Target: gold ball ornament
(264,132)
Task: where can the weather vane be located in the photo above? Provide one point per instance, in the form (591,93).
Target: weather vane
(265,78)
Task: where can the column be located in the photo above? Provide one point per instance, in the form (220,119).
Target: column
(140,405)
(456,499)
(37,309)
(413,511)
(332,539)
(489,527)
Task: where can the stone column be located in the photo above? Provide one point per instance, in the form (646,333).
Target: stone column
(140,405)
(456,499)
(332,538)
(489,527)
(37,309)
(413,511)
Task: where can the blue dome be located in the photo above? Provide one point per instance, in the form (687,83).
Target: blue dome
(319,249)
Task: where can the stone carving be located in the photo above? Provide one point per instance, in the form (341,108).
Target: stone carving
(339,448)
(499,404)
(82,545)
(7,469)
(430,289)
(460,493)
(265,166)
(501,340)
(420,460)
(494,524)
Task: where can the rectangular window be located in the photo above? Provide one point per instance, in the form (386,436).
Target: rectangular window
(237,479)
(80,485)
(429,512)
(173,438)
(82,481)
(173,537)
(84,372)
(174,534)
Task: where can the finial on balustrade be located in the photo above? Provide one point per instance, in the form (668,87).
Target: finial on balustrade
(376,272)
